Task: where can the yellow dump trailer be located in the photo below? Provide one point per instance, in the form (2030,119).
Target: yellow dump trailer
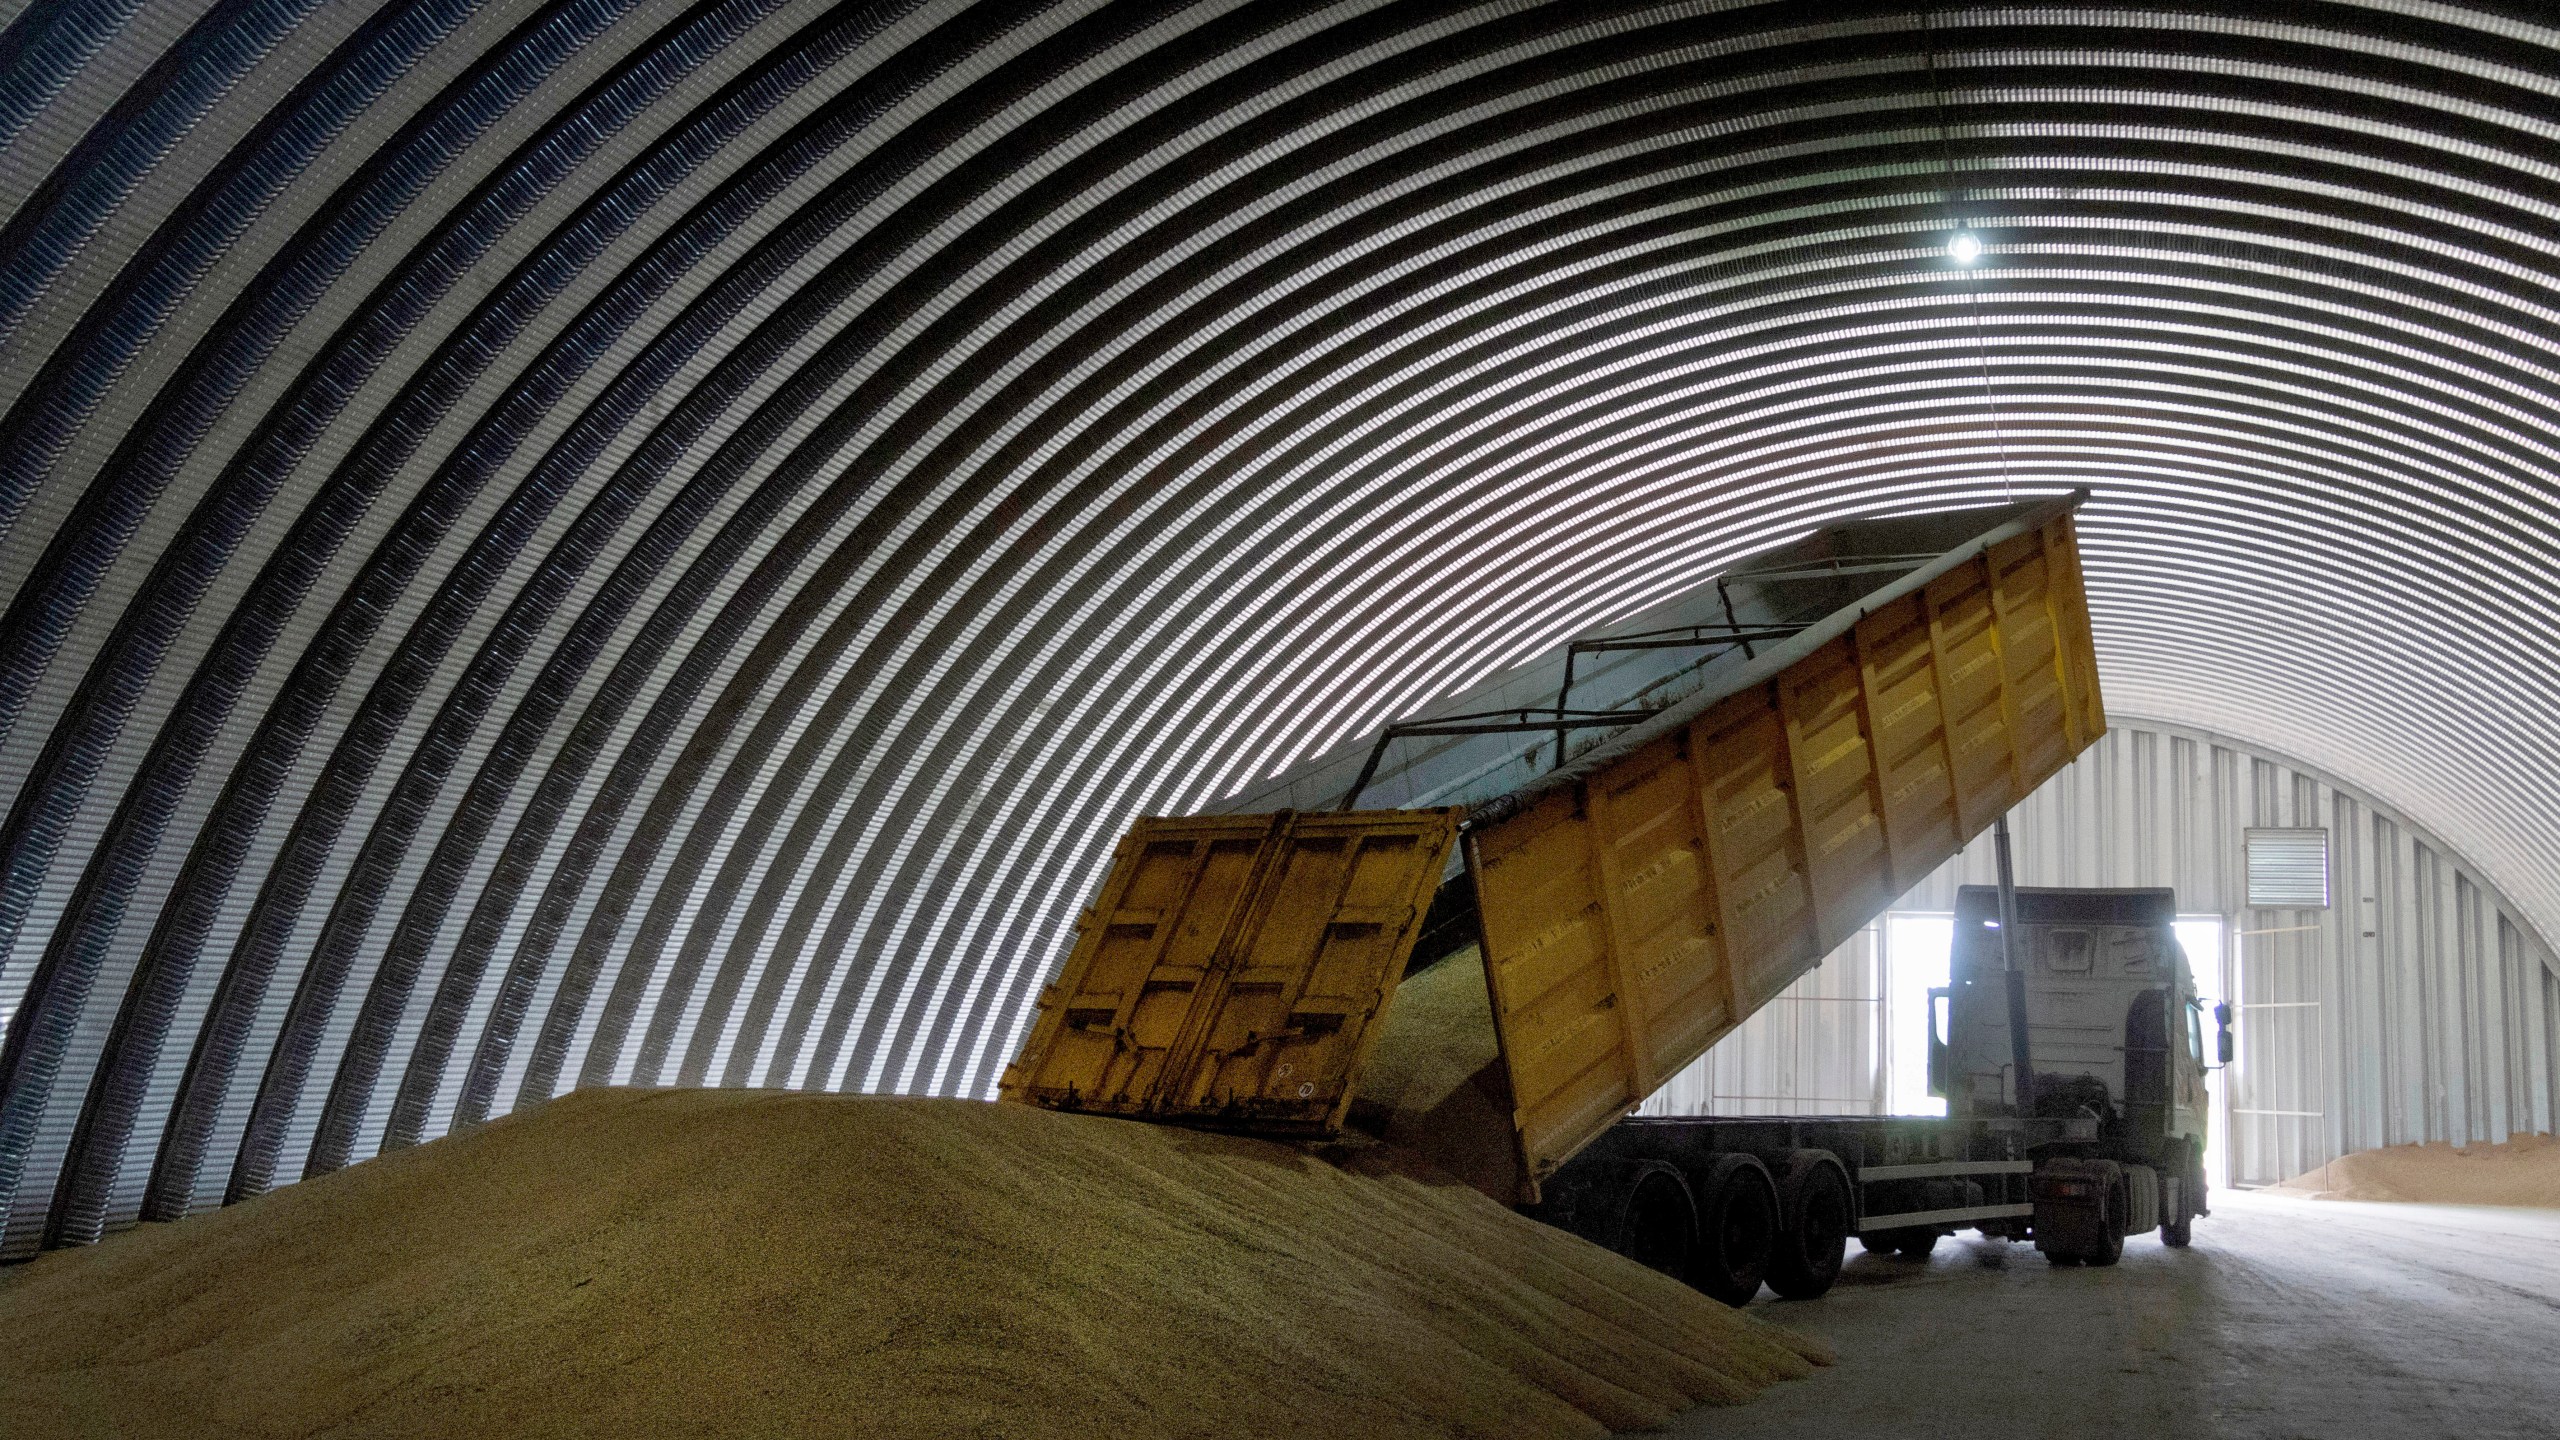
(1633,905)
(1640,903)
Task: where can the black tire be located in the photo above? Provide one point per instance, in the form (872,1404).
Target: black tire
(2179,1230)
(2110,1245)
(1737,1229)
(1815,1214)
(2068,1228)
(1658,1227)
(1915,1244)
(1882,1242)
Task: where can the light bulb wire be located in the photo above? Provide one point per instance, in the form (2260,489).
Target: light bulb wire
(1973,279)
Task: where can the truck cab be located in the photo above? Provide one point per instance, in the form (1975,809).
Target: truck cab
(2114,1032)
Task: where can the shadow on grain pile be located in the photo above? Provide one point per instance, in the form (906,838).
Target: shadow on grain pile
(690,1262)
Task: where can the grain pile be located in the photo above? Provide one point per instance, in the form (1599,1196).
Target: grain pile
(1434,1083)
(2523,1171)
(718,1262)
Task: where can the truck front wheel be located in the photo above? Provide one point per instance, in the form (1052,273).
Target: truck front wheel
(2106,1247)
(1737,1229)
(2080,1209)
(2178,1227)
(1814,1220)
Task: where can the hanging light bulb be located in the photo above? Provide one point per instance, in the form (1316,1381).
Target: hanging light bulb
(1966,248)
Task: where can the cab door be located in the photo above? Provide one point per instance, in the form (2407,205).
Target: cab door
(2194,1102)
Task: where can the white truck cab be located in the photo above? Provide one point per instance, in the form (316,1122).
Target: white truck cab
(2113,1033)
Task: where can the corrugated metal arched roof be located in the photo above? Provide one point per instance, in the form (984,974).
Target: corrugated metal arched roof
(628,541)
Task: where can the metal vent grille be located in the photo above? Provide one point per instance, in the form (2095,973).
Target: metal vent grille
(2289,869)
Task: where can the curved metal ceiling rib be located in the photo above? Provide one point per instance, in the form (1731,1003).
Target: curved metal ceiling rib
(635,541)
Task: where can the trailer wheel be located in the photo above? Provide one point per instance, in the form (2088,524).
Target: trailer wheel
(1737,1230)
(1658,1229)
(1815,1216)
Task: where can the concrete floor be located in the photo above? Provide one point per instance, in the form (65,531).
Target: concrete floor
(2287,1318)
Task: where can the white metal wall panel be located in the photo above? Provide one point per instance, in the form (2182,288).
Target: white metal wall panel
(1817,1049)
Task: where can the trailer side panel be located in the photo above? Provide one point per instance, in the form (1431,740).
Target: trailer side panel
(1634,917)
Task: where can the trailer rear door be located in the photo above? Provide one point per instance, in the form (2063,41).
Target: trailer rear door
(1235,967)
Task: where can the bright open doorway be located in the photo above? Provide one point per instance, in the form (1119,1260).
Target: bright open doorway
(2201,937)
(1916,946)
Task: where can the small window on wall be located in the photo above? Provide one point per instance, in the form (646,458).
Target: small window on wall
(2289,869)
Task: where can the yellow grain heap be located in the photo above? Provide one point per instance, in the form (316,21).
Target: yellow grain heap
(627,1263)
(2523,1171)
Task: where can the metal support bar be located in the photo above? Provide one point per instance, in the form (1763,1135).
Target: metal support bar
(1675,637)
(1590,720)
(2015,977)
(1666,640)
(1731,621)
(1824,570)
(1485,722)
(1564,692)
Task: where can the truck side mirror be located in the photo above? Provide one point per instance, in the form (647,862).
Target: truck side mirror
(2222,1033)
(1937,1040)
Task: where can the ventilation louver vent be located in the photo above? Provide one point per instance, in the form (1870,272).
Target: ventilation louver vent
(2289,869)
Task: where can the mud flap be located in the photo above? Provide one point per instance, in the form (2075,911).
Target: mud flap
(2075,1202)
